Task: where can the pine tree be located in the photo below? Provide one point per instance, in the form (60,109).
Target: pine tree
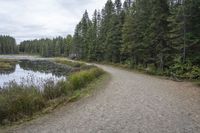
(92,38)
(159,30)
(176,30)
(141,51)
(192,30)
(127,50)
(99,47)
(106,28)
(118,6)
(8,45)
(77,42)
(68,45)
(85,25)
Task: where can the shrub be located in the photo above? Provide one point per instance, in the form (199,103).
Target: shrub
(80,79)
(64,88)
(52,90)
(185,70)
(151,69)
(17,101)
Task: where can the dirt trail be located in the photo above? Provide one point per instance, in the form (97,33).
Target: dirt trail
(130,103)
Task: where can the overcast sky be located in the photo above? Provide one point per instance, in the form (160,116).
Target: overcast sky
(31,19)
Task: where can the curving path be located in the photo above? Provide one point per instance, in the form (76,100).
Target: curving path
(130,103)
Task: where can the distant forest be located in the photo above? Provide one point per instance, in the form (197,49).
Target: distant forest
(47,47)
(8,45)
(162,36)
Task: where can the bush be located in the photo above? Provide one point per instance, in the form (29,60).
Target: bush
(185,70)
(151,69)
(80,79)
(17,102)
(52,90)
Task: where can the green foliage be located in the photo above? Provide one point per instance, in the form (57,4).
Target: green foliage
(184,70)
(146,34)
(151,69)
(8,45)
(17,101)
(80,79)
(142,33)
(68,46)
(47,47)
(52,90)
(6,64)
(21,101)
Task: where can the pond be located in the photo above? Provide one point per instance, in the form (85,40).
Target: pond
(33,73)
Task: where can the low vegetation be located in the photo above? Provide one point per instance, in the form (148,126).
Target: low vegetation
(69,63)
(8,45)
(18,101)
(81,79)
(178,71)
(23,101)
(159,37)
(6,64)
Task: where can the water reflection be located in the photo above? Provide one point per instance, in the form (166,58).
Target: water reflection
(45,67)
(33,72)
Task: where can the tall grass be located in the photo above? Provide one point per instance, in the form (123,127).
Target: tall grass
(6,64)
(19,101)
(81,79)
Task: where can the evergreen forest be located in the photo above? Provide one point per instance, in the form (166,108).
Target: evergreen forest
(160,36)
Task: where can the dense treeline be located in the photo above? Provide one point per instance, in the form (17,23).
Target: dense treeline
(161,35)
(8,45)
(47,47)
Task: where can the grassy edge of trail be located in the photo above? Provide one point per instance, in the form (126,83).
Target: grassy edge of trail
(195,82)
(82,82)
(89,90)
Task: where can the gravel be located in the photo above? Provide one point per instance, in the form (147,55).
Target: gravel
(130,103)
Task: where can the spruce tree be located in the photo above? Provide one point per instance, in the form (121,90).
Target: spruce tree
(192,30)
(158,32)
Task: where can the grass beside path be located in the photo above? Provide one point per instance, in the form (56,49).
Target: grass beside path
(148,72)
(19,103)
(89,90)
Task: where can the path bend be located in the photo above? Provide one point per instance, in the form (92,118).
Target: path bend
(130,103)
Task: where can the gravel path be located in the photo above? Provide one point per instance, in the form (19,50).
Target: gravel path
(130,103)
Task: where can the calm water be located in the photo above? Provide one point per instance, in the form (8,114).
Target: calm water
(28,76)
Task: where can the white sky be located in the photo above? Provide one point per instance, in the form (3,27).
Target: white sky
(31,19)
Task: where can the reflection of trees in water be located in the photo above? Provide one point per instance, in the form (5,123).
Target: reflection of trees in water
(9,70)
(45,67)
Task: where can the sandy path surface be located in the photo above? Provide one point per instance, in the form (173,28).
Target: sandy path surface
(130,103)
